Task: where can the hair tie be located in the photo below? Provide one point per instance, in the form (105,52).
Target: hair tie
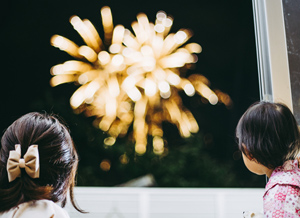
(30,162)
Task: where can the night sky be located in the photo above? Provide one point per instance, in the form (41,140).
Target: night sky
(224,29)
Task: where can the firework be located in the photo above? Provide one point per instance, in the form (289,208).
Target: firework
(133,78)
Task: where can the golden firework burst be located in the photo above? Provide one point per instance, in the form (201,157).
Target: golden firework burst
(133,77)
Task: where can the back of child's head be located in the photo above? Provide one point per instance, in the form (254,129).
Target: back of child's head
(57,158)
(269,133)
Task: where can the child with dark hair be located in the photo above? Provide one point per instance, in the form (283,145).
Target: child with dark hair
(38,163)
(268,137)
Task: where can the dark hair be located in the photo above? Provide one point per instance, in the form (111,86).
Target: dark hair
(269,133)
(58,161)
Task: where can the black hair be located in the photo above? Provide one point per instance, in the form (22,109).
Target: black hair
(57,155)
(269,133)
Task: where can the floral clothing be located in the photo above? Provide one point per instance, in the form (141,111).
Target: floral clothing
(282,193)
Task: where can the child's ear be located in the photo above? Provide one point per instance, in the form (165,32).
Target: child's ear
(247,153)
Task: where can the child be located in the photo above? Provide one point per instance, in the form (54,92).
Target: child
(268,138)
(38,162)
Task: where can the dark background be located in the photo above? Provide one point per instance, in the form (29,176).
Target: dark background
(224,29)
(291,12)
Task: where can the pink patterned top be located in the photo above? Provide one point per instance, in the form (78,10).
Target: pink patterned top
(282,195)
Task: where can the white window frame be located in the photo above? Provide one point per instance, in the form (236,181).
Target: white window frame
(272,56)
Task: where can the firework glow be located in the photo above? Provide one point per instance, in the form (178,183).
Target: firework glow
(133,78)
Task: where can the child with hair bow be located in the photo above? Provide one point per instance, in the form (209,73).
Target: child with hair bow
(38,163)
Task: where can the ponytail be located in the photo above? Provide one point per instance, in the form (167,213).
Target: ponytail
(22,190)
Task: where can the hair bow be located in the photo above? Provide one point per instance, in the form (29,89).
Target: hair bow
(30,162)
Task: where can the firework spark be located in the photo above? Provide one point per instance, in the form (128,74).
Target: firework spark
(133,77)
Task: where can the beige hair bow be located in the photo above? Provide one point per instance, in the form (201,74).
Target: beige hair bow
(31,162)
